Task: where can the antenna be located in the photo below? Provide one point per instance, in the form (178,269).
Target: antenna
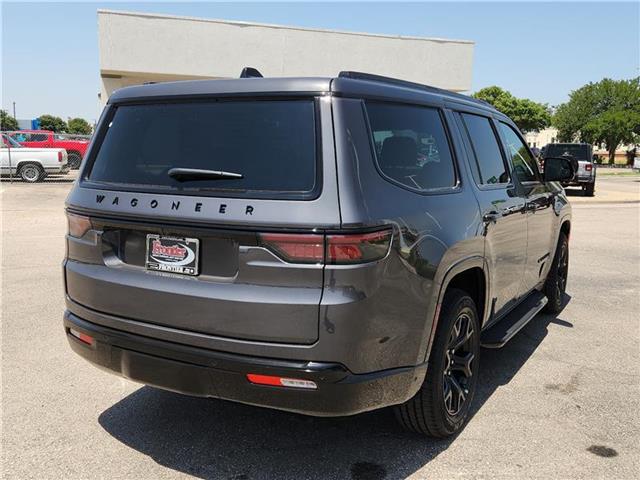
(250,72)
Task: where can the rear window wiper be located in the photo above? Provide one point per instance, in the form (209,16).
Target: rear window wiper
(186,174)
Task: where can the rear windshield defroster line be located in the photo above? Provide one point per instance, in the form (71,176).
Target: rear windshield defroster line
(271,144)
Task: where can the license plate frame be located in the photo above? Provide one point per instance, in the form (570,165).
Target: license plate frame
(170,254)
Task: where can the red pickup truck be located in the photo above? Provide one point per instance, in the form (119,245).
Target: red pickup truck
(48,139)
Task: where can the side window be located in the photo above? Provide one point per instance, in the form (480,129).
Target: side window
(523,163)
(411,145)
(490,166)
(19,137)
(38,137)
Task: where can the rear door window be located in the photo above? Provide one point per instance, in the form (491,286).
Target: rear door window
(411,146)
(271,143)
(489,167)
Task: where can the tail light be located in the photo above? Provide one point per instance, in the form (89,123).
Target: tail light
(78,225)
(305,248)
(588,167)
(358,248)
(60,157)
(339,249)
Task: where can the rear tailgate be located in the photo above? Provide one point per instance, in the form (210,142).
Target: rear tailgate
(585,169)
(241,289)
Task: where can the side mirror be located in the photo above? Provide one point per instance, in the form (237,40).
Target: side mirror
(559,169)
(595,158)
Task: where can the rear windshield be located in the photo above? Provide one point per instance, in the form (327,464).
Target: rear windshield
(579,152)
(271,143)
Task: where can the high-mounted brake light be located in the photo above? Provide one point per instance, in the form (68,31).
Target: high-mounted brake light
(338,249)
(281,381)
(78,225)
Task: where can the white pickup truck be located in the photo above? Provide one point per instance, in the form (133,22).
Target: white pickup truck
(30,164)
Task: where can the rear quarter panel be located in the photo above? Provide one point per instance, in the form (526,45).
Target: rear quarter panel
(432,234)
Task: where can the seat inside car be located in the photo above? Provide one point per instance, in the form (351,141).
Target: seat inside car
(399,158)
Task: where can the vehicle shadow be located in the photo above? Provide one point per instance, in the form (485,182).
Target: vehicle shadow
(218,439)
(53,178)
(574,192)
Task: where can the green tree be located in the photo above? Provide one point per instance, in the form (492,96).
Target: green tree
(50,122)
(7,122)
(526,114)
(604,112)
(78,125)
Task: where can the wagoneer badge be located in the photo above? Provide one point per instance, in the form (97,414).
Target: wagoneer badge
(171,254)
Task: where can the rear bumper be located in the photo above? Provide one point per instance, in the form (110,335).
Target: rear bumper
(201,372)
(580,180)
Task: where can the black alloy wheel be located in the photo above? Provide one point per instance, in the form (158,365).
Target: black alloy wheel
(442,406)
(459,357)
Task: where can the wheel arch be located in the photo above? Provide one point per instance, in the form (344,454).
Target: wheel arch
(21,162)
(471,275)
(565,226)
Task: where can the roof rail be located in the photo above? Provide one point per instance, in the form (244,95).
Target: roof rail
(405,83)
(250,72)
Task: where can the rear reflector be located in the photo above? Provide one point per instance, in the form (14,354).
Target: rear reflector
(83,337)
(336,249)
(281,381)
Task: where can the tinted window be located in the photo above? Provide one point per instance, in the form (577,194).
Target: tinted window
(270,143)
(486,151)
(523,163)
(579,152)
(411,146)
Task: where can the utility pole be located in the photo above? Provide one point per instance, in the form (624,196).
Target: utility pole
(14,109)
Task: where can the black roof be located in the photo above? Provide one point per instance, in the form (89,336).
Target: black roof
(347,83)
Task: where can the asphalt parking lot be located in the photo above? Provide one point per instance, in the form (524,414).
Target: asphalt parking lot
(561,400)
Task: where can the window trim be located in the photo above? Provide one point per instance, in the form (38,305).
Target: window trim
(85,182)
(456,187)
(503,156)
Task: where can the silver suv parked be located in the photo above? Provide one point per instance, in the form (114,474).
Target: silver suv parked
(582,156)
(325,246)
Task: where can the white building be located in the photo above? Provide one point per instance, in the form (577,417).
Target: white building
(550,135)
(139,47)
(541,138)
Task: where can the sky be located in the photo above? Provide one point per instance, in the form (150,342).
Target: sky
(536,50)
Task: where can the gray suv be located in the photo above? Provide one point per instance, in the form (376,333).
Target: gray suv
(325,246)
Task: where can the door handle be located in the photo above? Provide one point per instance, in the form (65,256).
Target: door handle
(491,217)
(530,207)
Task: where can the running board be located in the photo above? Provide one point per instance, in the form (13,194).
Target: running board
(503,331)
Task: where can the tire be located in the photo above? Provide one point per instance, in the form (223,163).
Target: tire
(556,283)
(589,189)
(31,172)
(74,159)
(441,406)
